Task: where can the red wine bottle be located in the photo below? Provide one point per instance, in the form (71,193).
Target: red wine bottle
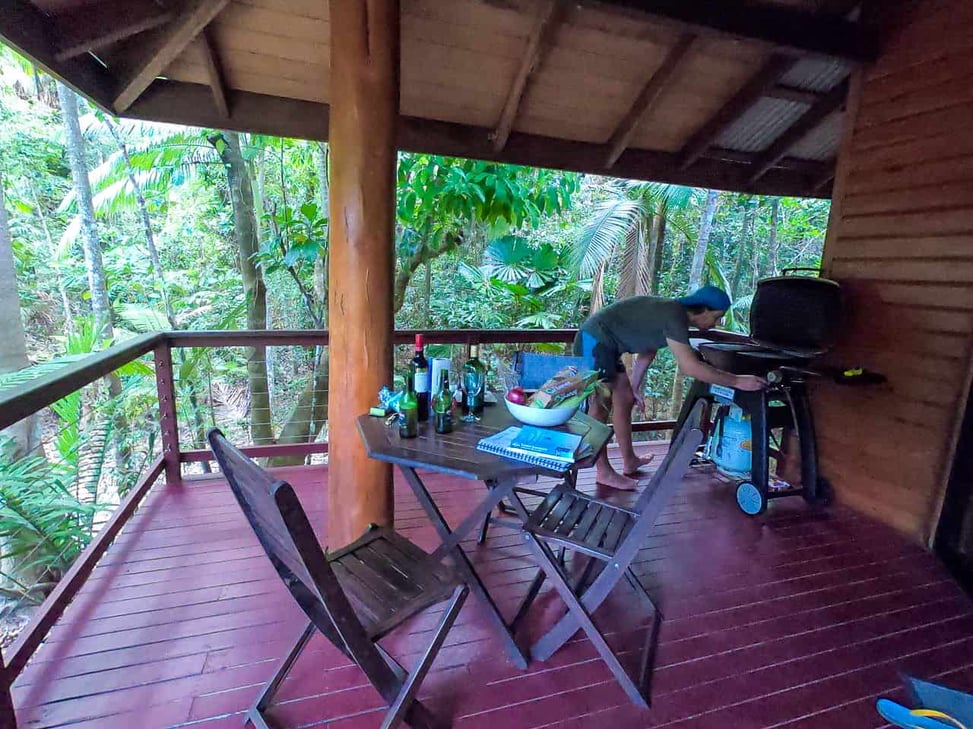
(419,371)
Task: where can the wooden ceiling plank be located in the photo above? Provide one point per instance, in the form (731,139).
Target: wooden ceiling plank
(214,73)
(186,103)
(539,42)
(174,39)
(25,29)
(829,103)
(765,78)
(649,95)
(92,27)
(786,29)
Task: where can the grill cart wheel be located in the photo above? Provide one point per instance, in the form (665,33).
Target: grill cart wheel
(750,500)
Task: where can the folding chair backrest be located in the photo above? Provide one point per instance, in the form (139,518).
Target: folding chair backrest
(664,482)
(283,529)
(536,369)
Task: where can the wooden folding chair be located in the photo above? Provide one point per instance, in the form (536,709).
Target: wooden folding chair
(354,596)
(533,370)
(611,535)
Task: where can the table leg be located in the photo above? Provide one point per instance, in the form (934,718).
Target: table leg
(463,564)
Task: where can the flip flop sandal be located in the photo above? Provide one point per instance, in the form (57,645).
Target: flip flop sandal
(916,718)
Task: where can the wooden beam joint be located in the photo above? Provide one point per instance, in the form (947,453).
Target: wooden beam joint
(92,27)
(214,72)
(167,46)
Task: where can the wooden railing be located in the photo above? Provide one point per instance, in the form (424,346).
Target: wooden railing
(28,399)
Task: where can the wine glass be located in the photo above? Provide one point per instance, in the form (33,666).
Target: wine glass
(473,384)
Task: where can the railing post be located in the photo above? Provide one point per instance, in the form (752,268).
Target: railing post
(167,412)
(8,718)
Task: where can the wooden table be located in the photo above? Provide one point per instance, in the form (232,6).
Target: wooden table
(456,454)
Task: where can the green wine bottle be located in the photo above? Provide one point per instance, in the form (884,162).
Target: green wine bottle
(442,407)
(408,411)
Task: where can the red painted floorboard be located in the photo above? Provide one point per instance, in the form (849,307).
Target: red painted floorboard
(798,619)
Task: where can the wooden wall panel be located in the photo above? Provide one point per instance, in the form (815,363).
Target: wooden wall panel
(901,242)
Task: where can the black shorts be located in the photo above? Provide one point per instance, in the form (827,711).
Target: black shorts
(607,360)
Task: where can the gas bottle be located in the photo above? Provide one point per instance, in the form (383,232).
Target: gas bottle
(732,446)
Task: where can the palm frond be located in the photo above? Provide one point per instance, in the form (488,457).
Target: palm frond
(600,236)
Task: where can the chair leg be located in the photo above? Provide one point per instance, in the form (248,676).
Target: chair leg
(532,592)
(483,529)
(636,583)
(403,706)
(255,715)
(548,563)
(647,665)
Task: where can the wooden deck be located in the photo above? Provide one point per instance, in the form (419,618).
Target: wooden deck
(795,619)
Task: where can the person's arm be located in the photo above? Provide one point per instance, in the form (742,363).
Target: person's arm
(639,368)
(692,366)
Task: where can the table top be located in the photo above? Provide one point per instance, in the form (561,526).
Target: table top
(456,454)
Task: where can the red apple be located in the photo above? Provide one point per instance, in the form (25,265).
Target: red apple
(517,395)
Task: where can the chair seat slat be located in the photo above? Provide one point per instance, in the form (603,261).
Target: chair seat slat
(571,517)
(587,521)
(555,515)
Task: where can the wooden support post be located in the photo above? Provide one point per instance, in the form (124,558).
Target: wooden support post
(214,72)
(166,389)
(364,109)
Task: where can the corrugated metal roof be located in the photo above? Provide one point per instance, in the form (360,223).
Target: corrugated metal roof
(821,143)
(816,74)
(759,126)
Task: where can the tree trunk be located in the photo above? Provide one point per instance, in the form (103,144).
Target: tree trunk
(245,232)
(702,242)
(598,289)
(13,343)
(657,242)
(52,252)
(695,281)
(774,221)
(743,249)
(91,245)
(146,220)
(321,262)
(632,261)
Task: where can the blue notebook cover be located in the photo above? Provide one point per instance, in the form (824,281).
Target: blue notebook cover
(551,443)
(501,444)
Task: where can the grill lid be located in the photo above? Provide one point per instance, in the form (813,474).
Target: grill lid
(796,314)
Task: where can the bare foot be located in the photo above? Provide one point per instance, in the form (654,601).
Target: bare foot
(631,468)
(615,480)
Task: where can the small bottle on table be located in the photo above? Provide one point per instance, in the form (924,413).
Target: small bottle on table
(419,374)
(442,407)
(474,382)
(408,411)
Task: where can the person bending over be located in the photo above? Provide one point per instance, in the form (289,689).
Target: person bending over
(642,325)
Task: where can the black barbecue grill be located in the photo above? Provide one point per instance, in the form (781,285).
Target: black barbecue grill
(793,320)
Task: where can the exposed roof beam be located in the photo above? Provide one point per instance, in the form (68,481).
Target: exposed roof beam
(184,103)
(91,27)
(539,42)
(829,103)
(793,93)
(757,86)
(166,46)
(25,29)
(214,72)
(650,93)
(784,28)
(813,168)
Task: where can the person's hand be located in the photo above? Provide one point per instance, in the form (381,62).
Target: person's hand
(750,383)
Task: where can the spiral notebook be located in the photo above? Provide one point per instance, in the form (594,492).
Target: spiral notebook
(500,444)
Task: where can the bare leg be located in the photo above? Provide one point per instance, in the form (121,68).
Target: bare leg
(604,473)
(622,404)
